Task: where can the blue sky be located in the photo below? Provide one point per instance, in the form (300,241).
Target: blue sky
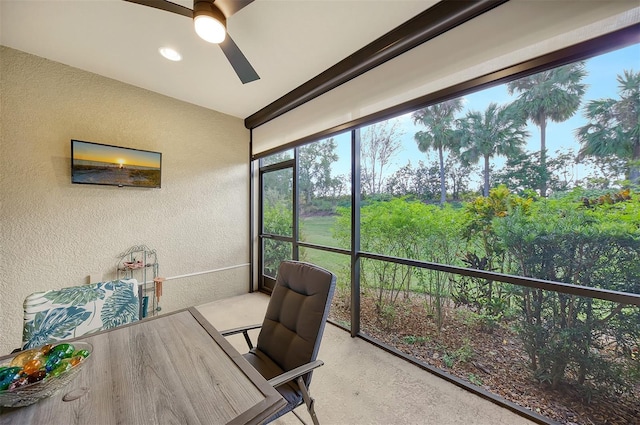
(115,155)
(601,82)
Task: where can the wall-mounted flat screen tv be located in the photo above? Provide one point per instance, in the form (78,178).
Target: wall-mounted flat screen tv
(94,163)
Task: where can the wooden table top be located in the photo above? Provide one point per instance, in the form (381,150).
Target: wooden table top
(170,369)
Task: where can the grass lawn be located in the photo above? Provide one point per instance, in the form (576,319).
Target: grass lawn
(317,230)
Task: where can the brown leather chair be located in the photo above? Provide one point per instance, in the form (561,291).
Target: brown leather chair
(291,332)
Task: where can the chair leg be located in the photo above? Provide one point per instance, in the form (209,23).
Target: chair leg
(309,401)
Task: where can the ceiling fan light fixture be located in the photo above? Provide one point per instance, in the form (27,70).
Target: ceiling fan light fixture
(209,22)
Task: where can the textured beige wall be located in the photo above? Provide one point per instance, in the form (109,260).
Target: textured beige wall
(54,233)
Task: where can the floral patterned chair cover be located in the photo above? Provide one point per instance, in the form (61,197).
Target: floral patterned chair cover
(71,312)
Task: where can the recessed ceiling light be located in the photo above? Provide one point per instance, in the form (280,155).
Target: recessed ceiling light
(170,54)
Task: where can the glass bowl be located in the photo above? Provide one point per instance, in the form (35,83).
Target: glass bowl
(28,394)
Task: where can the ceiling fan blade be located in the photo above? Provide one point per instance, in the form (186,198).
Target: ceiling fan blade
(166,6)
(238,61)
(229,7)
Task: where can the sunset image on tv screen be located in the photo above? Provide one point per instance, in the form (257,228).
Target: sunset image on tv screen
(94,163)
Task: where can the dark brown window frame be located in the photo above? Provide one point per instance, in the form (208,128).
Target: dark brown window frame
(581,51)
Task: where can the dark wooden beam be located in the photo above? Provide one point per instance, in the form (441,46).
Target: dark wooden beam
(438,19)
(581,51)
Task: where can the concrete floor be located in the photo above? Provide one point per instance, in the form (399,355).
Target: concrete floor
(362,384)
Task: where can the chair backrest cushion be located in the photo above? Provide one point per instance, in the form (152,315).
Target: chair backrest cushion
(75,311)
(296,315)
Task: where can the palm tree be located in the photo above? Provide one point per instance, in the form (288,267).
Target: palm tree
(614,125)
(499,131)
(439,122)
(549,95)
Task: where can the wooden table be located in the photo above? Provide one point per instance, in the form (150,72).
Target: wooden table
(170,369)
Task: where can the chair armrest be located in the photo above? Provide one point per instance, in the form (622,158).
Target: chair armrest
(294,373)
(243,330)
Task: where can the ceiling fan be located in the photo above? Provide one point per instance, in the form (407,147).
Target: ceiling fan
(210,18)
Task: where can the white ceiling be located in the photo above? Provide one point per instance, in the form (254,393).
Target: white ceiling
(288,42)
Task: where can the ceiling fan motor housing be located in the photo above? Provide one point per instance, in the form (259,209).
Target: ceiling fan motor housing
(206,7)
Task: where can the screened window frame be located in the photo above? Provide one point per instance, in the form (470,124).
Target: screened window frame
(581,51)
